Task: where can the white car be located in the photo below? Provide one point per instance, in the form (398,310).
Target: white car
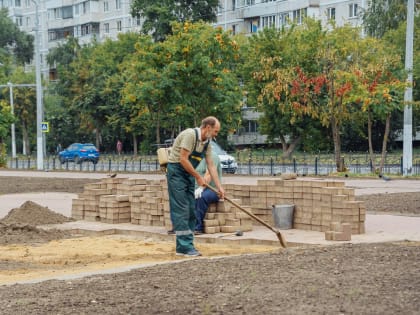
(227,161)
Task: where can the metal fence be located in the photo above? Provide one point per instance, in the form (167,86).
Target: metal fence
(314,165)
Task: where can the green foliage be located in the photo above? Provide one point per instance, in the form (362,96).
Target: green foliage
(383,15)
(331,79)
(174,84)
(159,15)
(6,119)
(13,41)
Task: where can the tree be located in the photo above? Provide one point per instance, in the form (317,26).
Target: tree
(175,83)
(383,15)
(6,118)
(273,49)
(88,82)
(381,78)
(158,15)
(24,101)
(13,41)
(326,84)
(58,99)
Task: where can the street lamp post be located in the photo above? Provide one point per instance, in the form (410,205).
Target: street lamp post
(39,109)
(12,128)
(408,95)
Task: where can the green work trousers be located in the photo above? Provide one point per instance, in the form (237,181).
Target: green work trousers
(181,187)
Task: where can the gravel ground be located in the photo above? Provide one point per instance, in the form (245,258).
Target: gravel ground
(345,279)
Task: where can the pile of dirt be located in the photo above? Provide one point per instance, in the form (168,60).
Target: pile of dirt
(28,234)
(19,225)
(34,214)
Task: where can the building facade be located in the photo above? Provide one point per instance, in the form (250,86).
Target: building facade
(249,16)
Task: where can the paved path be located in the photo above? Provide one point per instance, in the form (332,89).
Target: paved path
(361,186)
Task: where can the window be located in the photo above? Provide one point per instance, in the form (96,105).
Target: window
(67,12)
(299,15)
(331,14)
(85,29)
(28,21)
(106,6)
(268,21)
(52,35)
(57,13)
(353,10)
(17,3)
(119,26)
(283,19)
(118,4)
(85,7)
(19,21)
(106,28)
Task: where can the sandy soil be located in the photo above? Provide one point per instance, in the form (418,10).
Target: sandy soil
(347,279)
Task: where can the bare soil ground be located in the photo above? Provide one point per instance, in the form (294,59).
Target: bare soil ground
(345,279)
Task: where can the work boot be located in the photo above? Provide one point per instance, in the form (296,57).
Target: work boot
(191,253)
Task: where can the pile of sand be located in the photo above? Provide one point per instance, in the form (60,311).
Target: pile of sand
(31,213)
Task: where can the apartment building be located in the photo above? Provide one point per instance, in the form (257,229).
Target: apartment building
(249,16)
(83,19)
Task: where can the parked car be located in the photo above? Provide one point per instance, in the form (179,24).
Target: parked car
(78,153)
(227,161)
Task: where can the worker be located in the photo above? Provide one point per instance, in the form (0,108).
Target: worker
(205,196)
(189,148)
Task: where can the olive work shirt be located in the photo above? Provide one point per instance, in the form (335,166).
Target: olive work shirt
(187,140)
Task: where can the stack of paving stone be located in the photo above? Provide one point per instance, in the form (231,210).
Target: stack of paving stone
(114,209)
(86,206)
(317,203)
(146,200)
(339,232)
(223,217)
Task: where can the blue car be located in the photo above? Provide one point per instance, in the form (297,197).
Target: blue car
(78,153)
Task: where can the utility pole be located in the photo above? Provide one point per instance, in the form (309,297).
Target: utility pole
(408,95)
(12,127)
(39,107)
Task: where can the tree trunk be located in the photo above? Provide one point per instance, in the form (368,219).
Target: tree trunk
(385,142)
(371,154)
(158,131)
(25,140)
(135,148)
(291,147)
(98,138)
(337,145)
(284,144)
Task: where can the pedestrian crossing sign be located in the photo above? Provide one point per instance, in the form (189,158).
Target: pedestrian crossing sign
(45,127)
